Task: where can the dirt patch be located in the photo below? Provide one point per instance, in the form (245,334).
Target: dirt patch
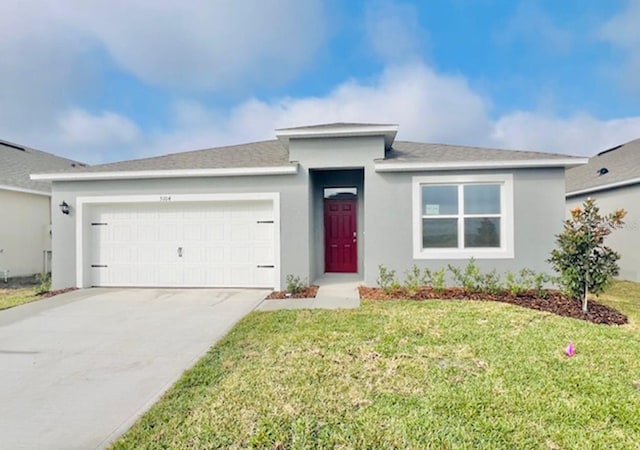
(308,292)
(20,282)
(554,302)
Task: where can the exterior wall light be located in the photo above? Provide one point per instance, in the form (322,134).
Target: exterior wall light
(64,208)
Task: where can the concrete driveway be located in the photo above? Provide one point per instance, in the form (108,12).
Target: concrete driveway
(78,369)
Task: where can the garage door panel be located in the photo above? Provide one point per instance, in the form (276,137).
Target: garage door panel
(240,232)
(123,254)
(222,244)
(167,231)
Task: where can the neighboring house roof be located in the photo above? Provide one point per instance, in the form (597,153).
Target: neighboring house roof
(272,157)
(18,162)
(615,167)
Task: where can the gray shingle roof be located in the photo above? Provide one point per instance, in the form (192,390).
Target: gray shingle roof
(622,164)
(18,162)
(257,154)
(408,152)
(275,154)
(337,125)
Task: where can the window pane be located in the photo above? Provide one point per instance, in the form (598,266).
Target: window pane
(439,233)
(482,232)
(482,199)
(341,192)
(437,200)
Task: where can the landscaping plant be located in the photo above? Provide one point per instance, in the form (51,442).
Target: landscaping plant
(584,263)
(387,279)
(295,284)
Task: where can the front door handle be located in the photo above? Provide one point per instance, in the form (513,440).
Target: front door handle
(179,252)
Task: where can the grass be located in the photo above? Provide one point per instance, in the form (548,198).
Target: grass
(437,374)
(625,297)
(14,297)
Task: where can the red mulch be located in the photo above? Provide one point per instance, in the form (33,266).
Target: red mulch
(59,291)
(555,302)
(309,292)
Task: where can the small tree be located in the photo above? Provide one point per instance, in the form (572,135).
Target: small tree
(584,263)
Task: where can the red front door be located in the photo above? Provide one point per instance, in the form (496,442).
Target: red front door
(340,239)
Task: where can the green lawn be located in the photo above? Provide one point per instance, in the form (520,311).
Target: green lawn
(437,374)
(14,297)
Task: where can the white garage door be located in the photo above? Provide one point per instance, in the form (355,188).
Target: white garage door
(199,244)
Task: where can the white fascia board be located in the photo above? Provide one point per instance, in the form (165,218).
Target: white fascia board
(603,187)
(388,131)
(177,173)
(337,131)
(25,191)
(470,165)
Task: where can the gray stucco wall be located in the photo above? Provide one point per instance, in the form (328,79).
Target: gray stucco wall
(384,210)
(293,208)
(626,241)
(538,215)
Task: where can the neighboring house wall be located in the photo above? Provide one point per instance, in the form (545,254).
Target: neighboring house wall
(23,232)
(626,241)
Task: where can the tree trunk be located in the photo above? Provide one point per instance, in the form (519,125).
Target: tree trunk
(584,300)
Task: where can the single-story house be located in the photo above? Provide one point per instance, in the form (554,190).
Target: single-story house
(612,178)
(25,238)
(342,197)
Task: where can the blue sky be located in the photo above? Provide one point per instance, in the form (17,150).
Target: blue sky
(109,80)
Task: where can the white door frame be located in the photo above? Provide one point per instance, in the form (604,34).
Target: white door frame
(82,280)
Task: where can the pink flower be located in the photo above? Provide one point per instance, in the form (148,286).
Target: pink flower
(570,350)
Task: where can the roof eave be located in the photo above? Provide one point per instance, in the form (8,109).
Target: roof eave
(474,165)
(389,133)
(24,190)
(173,173)
(603,187)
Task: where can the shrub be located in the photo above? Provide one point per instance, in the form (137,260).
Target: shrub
(470,278)
(438,282)
(584,263)
(414,278)
(45,283)
(387,279)
(491,283)
(295,284)
(521,282)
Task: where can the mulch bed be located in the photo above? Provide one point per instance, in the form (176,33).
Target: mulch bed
(309,292)
(555,302)
(54,293)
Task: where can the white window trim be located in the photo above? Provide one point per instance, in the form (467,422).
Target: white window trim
(506,251)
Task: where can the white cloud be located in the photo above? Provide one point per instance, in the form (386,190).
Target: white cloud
(581,134)
(203,44)
(79,127)
(622,31)
(428,106)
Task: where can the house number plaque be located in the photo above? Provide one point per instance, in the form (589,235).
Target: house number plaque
(165,198)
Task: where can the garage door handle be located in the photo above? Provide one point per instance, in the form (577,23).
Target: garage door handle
(179,252)
(265,267)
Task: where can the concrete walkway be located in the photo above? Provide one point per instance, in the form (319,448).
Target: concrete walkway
(337,291)
(78,369)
